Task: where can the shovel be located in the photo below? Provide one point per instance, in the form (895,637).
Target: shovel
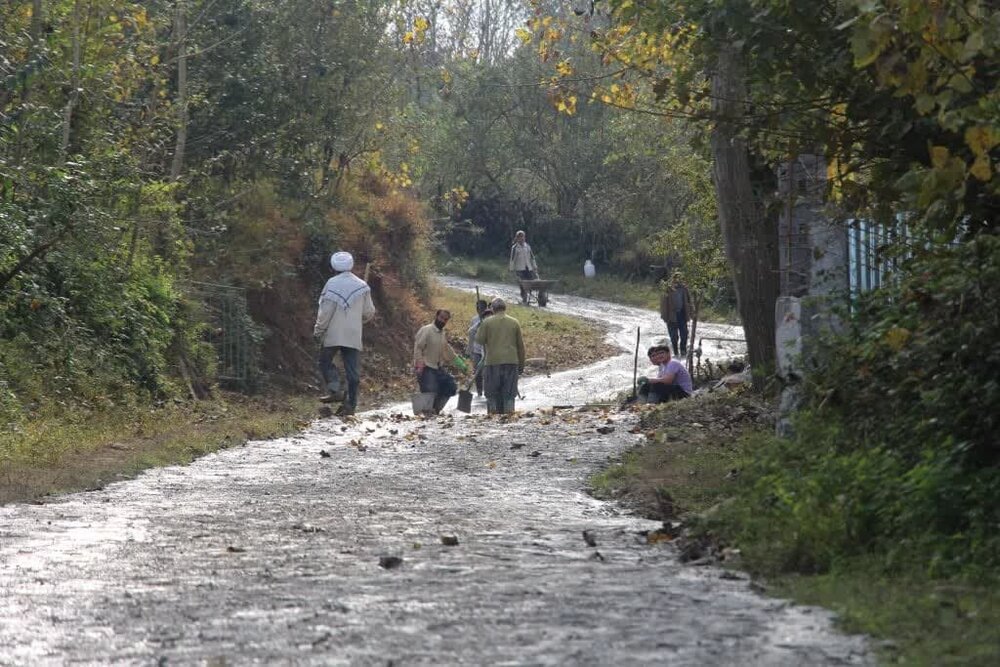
(464,395)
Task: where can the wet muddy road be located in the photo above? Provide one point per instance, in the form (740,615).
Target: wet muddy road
(326,548)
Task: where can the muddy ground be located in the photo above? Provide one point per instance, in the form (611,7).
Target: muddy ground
(387,539)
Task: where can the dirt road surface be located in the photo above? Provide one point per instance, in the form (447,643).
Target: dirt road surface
(338,546)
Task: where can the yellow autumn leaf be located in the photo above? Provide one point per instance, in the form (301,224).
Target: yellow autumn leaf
(982,169)
(408,37)
(564,68)
(896,338)
(981,139)
(155,60)
(421,24)
(524,35)
(939,156)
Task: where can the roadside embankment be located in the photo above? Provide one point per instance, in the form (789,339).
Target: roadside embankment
(699,468)
(87,447)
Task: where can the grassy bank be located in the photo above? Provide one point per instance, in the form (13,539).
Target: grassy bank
(66,447)
(696,465)
(604,286)
(79,450)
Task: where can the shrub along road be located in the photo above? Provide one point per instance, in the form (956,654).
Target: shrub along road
(386,538)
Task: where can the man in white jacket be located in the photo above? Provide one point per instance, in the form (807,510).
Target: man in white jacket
(344,306)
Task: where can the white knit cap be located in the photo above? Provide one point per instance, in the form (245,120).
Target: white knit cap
(342,261)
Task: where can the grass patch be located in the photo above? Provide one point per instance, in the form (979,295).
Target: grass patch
(565,342)
(692,466)
(51,454)
(926,622)
(604,286)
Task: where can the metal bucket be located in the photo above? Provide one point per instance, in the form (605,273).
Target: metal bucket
(422,402)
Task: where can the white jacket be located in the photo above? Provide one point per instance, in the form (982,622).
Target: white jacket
(521,258)
(344,306)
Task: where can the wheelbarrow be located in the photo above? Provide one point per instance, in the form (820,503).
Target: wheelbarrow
(541,289)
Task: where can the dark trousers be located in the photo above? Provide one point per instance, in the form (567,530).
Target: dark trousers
(440,383)
(501,388)
(351,358)
(678,328)
(526,274)
(661,393)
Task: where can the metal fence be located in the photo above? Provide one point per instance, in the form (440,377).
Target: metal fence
(875,252)
(228,318)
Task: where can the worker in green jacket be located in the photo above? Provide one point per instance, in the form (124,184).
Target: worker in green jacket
(500,335)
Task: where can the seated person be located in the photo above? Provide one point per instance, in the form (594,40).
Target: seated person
(672,381)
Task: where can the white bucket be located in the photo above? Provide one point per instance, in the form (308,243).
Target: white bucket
(422,402)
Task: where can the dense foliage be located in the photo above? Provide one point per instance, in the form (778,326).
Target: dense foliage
(497,153)
(149,147)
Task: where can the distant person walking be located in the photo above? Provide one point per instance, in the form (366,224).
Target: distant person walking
(675,311)
(500,336)
(431,352)
(522,261)
(344,306)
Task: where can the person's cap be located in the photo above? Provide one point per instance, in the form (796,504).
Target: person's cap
(342,261)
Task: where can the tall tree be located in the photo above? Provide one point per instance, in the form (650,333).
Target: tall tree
(749,233)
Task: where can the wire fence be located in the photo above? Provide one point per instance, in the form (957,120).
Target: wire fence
(230,325)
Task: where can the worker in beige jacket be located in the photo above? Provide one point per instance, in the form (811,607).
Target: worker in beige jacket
(431,352)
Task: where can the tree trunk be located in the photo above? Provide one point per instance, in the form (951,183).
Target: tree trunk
(36,23)
(749,234)
(74,93)
(180,28)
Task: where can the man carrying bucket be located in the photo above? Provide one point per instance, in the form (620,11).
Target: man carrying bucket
(431,352)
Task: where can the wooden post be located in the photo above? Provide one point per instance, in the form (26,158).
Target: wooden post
(635,366)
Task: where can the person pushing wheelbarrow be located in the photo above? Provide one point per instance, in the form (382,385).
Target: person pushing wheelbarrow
(522,262)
